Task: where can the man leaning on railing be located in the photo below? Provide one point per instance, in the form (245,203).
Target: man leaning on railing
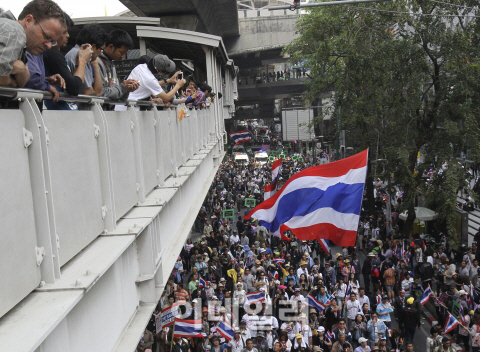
(40,24)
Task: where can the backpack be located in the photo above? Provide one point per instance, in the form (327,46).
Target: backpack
(375,272)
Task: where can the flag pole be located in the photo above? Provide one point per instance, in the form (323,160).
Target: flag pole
(173,334)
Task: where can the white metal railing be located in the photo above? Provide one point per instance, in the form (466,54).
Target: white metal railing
(69,176)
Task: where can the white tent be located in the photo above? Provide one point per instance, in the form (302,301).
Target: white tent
(421,213)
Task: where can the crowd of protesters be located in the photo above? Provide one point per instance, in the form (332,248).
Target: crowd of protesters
(372,293)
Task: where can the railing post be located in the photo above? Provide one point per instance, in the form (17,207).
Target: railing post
(106,179)
(159,139)
(41,187)
(137,145)
(172,115)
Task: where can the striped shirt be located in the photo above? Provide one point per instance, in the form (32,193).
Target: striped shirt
(12,44)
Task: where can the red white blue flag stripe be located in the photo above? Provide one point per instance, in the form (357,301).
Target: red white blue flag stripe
(226,330)
(319,202)
(188,328)
(276,169)
(324,245)
(268,191)
(426,295)
(241,136)
(253,297)
(450,324)
(278,260)
(202,282)
(312,302)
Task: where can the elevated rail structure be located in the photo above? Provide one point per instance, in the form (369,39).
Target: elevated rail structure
(96,206)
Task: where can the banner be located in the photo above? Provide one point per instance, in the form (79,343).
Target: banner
(167,317)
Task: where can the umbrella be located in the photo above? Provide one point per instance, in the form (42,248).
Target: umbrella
(421,213)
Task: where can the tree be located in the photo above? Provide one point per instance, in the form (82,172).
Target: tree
(405,75)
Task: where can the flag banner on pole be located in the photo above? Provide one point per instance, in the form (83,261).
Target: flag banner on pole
(279,260)
(276,169)
(167,316)
(202,282)
(319,202)
(330,299)
(226,330)
(188,328)
(324,245)
(268,191)
(426,295)
(253,297)
(312,302)
(241,136)
(450,324)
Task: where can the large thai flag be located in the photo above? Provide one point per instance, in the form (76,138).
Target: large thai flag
(450,324)
(241,136)
(226,330)
(188,328)
(319,202)
(426,295)
(312,302)
(276,169)
(253,297)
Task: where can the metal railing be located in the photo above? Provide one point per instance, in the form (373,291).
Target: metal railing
(69,176)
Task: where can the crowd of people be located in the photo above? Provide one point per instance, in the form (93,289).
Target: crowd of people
(371,295)
(32,56)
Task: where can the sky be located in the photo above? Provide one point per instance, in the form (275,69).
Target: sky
(75,8)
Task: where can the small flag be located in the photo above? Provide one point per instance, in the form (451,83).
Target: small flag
(202,282)
(188,328)
(226,330)
(330,335)
(276,170)
(426,295)
(330,299)
(450,324)
(312,302)
(278,260)
(241,136)
(253,297)
(324,245)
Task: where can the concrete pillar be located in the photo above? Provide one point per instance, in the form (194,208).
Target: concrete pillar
(143,47)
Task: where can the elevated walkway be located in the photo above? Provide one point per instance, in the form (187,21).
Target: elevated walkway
(97,204)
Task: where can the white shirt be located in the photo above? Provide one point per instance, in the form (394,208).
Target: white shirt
(353,308)
(148,85)
(305,331)
(364,300)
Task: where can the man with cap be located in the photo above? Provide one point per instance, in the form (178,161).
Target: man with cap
(302,270)
(297,296)
(260,343)
(149,85)
(342,344)
(384,309)
(299,344)
(363,347)
(330,275)
(446,346)
(411,319)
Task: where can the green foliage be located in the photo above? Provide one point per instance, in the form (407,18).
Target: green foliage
(402,81)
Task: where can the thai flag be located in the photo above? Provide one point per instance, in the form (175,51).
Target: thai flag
(278,260)
(276,169)
(241,136)
(450,324)
(188,328)
(226,330)
(202,282)
(426,295)
(324,245)
(312,302)
(330,299)
(319,202)
(253,297)
(330,335)
(470,298)
(268,191)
